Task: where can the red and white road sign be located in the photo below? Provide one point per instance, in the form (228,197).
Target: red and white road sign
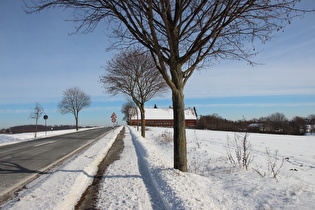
(114,115)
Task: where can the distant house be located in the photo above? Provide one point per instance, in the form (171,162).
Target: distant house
(256,127)
(163,117)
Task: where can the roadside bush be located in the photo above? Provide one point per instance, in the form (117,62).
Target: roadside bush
(239,150)
(274,164)
(197,163)
(166,137)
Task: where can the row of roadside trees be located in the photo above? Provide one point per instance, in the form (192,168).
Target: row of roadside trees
(181,35)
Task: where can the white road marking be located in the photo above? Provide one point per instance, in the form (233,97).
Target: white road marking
(48,142)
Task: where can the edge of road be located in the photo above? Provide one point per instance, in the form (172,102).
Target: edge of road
(45,137)
(12,192)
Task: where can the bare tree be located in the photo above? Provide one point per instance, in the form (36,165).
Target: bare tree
(298,125)
(311,123)
(126,109)
(133,73)
(277,121)
(36,114)
(73,101)
(181,34)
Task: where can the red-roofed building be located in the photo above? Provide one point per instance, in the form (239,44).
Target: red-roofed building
(163,117)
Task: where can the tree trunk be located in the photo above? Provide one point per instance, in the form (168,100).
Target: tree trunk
(77,121)
(180,150)
(142,112)
(36,128)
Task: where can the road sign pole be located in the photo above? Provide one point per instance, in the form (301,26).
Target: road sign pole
(114,117)
(45,118)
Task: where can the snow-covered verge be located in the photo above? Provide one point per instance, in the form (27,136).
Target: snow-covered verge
(176,190)
(141,179)
(220,184)
(126,185)
(62,187)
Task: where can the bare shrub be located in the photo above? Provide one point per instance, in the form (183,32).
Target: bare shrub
(199,164)
(198,161)
(239,150)
(258,170)
(274,163)
(166,137)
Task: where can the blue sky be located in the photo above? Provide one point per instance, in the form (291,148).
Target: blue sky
(39,60)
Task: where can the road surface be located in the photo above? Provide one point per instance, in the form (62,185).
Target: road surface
(23,161)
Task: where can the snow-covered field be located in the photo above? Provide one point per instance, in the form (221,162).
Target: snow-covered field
(144,179)
(229,187)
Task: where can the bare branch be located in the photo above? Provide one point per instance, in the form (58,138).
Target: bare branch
(133,73)
(36,114)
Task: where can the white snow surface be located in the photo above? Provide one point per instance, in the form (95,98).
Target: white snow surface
(164,114)
(144,177)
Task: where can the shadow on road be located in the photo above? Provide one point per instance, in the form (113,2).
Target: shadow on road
(13,168)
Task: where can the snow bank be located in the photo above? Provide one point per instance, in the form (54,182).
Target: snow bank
(143,179)
(177,190)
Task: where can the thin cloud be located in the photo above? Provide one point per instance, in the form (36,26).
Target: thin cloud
(101,108)
(14,111)
(256,105)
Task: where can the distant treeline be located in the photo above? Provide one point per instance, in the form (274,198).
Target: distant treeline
(32,128)
(275,123)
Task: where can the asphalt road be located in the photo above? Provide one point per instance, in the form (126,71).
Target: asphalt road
(23,161)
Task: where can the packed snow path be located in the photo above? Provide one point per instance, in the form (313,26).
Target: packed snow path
(127,183)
